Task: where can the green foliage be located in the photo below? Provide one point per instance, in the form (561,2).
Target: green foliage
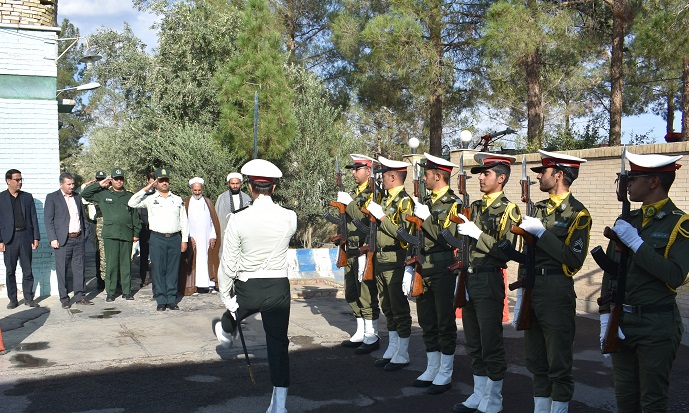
(259,66)
(564,140)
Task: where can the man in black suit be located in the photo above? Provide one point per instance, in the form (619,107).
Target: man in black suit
(19,236)
(64,223)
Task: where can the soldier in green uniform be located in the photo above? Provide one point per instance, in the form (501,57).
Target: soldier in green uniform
(389,261)
(492,216)
(362,296)
(562,225)
(658,239)
(121,228)
(435,306)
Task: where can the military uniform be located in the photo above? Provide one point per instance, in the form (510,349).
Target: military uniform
(120,226)
(651,322)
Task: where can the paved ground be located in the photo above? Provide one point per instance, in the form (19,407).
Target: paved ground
(126,357)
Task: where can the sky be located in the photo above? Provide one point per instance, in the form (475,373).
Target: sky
(90,15)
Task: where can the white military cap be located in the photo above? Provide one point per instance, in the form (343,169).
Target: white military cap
(550,159)
(488,160)
(235,175)
(359,160)
(390,165)
(434,162)
(653,163)
(196,180)
(260,170)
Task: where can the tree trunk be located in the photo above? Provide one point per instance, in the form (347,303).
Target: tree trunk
(534,101)
(685,98)
(435,121)
(670,124)
(615,137)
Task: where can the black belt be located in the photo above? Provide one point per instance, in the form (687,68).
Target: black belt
(74,234)
(162,234)
(390,248)
(640,309)
(19,229)
(477,270)
(549,271)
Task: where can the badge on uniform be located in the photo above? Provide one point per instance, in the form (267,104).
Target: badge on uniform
(578,246)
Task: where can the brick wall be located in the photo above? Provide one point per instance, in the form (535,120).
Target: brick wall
(29,12)
(595,188)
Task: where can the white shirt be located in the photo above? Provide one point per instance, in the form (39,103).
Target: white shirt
(165,214)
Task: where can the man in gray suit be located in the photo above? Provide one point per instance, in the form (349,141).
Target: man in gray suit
(64,224)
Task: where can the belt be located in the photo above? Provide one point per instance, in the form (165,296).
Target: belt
(390,248)
(19,229)
(477,270)
(162,234)
(640,309)
(441,256)
(549,271)
(74,234)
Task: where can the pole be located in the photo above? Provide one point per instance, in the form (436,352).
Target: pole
(256,124)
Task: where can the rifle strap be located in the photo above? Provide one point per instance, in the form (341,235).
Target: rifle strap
(576,226)
(673,237)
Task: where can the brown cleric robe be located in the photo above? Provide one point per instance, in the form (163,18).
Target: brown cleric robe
(187,268)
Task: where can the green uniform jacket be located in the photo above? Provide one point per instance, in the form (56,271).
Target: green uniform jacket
(390,249)
(566,239)
(484,251)
(353,210)
(119,220)
(434,224)
(649,273)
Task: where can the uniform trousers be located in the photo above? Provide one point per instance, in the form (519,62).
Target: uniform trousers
(70,254)
(393,302)
(19,249)
(165,256)
(550,340)
(118,255)
(642,368)
(144,237)
(436,311)
(482,320)
(270,297)
(361,296)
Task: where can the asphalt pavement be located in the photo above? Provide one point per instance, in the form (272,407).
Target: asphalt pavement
(125,356)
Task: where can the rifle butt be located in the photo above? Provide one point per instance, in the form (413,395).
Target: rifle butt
(524,317)
(368,269)
(611,341)
(342,256)
(417,284)
(460,292)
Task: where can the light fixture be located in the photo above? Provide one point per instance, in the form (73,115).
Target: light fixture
(87,86)
(465,136)
(413,144)
(89,57)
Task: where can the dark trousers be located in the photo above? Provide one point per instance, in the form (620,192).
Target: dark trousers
(436,311)
(144,248)
(362,296)
(118,255)
(165,256)
(393,302)
(270,297)
(19,249)
(72,253)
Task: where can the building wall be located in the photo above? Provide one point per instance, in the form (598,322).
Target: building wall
(29,12)
(28,118)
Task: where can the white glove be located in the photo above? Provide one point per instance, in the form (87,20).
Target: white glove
(361,266)
(628,234)
(517,306)
(406,279)
(532,225)
(376,210)
(344,198)
(604,318)
(420,210)
(232,306)
(469,229)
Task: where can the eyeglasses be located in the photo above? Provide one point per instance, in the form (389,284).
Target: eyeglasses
(163,180)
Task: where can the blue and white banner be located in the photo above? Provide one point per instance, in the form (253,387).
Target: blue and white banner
(314,263)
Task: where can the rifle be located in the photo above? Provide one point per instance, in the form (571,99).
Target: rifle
(617,270)
(370,249)
(460,291)
(417,259)
(340,239)
(527,259)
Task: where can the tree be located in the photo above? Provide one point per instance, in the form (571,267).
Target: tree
(259,66)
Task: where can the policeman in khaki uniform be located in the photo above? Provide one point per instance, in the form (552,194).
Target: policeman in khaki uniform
(562,225)
(435,306)
(492,216)
(658,238)
(362,296)
(389,262)
(167,220)
(121,228)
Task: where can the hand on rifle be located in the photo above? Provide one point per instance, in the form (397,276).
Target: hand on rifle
(344,198)
(376,210)
(406,280)
(628,234)
(420,210)
(604,318)
(533,226)
(361,267)
(468,228)
(517,306)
